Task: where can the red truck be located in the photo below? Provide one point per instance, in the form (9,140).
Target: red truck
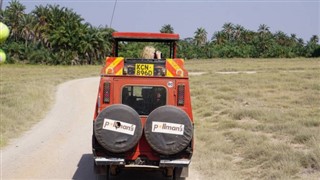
(143,116)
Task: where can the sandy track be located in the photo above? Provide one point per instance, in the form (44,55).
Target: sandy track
(59,147)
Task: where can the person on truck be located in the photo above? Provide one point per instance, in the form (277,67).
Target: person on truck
(149,52)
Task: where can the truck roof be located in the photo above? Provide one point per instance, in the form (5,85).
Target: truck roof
(144,36)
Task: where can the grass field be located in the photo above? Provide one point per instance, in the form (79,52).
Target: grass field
(27,92)
(255,118)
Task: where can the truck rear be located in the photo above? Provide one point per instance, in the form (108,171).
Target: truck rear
(143,116)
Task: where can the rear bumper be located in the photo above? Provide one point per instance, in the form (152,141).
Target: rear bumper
(102,161)
(174,163)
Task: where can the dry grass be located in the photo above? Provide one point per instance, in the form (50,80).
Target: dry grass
(26,93)
(264,125)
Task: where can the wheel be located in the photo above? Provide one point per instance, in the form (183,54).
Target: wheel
(168,130)
(118,128)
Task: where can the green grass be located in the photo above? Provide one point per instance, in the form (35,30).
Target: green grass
(27,92)
(264,125)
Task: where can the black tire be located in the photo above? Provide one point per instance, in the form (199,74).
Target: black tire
(114,117)
(168,143)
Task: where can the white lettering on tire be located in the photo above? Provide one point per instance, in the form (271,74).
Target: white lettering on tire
(167,128)
(118,126)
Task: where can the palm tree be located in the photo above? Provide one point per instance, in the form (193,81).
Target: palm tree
(262,40)
(167,28)
(219,37)
(281,38)
(300,41)
(248,36)
(54,31)
(105,44)
(314,39)
(41,29)
(200,36)
(238,30)
(293,37)
(14,13)
(263,29)
(27,24)
(312,46)
(228,28)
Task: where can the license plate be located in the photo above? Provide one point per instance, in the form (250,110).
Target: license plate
(144,69)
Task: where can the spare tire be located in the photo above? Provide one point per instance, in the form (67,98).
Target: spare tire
(168,130)
(118,128)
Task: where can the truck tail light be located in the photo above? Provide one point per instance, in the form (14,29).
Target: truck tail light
(181,95)
(106,92)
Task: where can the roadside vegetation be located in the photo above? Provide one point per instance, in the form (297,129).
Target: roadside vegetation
(27,92)
(55,35)
(255,118)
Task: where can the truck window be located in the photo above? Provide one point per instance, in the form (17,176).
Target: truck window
(144,99)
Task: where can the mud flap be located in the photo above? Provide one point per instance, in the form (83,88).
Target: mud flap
(100,170)
(181,172)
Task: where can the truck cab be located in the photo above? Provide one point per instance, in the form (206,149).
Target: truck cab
(143,115)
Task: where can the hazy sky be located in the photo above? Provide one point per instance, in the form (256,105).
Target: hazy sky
(301,17)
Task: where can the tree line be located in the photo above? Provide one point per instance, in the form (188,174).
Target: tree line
(53,35)
(234,41)
(57,35)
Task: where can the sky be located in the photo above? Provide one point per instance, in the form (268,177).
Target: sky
(300,17)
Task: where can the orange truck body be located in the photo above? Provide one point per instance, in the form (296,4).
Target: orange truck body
(122,75)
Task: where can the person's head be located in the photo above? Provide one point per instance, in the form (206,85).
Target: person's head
(148,52)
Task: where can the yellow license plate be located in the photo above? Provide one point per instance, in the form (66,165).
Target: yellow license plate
(144,69)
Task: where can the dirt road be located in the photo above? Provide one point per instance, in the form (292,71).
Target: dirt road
(59,147)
